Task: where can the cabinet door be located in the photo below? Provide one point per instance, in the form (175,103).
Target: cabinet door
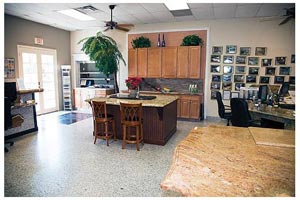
(194,68)
(183,62)
(184,107)
(142,59)
(132,62)
(169,62)
(154,63)
(195,108)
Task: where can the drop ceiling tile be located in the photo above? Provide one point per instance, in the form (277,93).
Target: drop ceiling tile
(146,18)
(273,9)
(164,16)
(200,5)
(203,13)
(155,7)
(225,11)
(133,8)
(247,10)
(185,18)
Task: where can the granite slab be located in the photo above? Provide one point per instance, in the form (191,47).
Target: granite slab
(273,137)
(222,161)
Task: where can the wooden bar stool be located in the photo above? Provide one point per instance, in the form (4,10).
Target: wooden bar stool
(131,117)
(102,120)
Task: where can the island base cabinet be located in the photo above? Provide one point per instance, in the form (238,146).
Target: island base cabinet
(189,107)
(159,123)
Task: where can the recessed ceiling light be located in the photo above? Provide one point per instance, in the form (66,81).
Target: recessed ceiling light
(176,6)
(76,14)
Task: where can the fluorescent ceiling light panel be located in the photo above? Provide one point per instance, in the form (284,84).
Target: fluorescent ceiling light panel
(176,5)
(77,15)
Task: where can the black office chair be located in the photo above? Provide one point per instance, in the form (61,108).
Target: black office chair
(223,110)
(240,114)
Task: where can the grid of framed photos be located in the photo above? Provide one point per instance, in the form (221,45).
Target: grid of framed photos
(233,67)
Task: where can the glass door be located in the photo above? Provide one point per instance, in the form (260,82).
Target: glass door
(38,69)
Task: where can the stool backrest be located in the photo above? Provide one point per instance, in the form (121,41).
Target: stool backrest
(99,109)
(131,113)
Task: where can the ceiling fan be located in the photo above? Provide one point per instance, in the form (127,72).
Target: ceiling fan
(114,25)
(290,14)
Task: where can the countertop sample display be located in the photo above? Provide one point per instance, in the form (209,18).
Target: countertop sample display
(159,116)
(220,161)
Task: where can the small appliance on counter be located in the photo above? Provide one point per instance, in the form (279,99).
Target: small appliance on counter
(86,83)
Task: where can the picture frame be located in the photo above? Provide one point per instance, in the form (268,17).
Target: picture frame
(239,78)
(226,94)
(245,51)
(281,60)
(260,51)
(253,60)
(240,69)
(9,68)
(266,62)
(215,68)
(231,49)
(213,94)
(237,86)
(227,77)
(251,79)
(293,58)
(227,86)
(270,71)
(278,79)
(215,86)
(284,70)
(253,70)
(240,60)
(216,78)
(227,69)
(217,50)
(264,79)
(292,80)
(228,59)
(215,58)
(235,95)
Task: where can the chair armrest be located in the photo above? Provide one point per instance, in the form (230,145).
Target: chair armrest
(227,106)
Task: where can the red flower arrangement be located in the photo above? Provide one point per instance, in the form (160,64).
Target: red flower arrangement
(133,83)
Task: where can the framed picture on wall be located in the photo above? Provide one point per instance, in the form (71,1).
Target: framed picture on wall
(239,78)
(9,68)
(264,79)
(278,79)
(213,94)
(215,68)
(227,69)
(292,80)
(250,79)
(253,70)
(260,51)
(245,51)
(293,58)
(226,94)
(235,94)
(280,60)
(237,86)
(217,50)
(215,58)
(215,86)
(240,60)
(231,49)
(228,59)
(253,60)
(266,62)
(270,70)
(284,71)
(240,69)
(227,85)
(226,77)
(216,78)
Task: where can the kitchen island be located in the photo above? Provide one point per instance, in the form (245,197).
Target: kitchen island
(159,116)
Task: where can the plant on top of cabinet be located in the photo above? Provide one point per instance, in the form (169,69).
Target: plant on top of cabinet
(141,42)
(192,40)
(104,51)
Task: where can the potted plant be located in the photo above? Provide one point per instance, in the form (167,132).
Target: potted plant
(141,42)
(104,51)
(192,40)
(133,85)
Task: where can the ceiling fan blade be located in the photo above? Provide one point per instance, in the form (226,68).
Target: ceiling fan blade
(122,28)
(106,29)
(286,20)
(125,24)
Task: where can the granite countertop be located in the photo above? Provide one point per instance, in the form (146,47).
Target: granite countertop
(278,112)
(223,161)
(171,93)
(92,88)
(28,91)
(159,101)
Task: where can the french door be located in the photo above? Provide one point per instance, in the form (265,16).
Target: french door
(38,68)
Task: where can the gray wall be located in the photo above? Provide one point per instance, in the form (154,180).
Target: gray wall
(22,32)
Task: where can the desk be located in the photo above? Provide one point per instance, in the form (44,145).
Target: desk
(224,161)
(278,114)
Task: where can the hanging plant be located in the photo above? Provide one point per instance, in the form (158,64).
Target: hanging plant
(192,40)
(141,42)
(104,51)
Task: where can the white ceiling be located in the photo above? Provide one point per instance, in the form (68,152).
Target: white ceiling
(139,13)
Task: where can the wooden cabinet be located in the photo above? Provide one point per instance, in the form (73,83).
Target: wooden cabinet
(189,107)
(169,62)
(194,58)
(142,60)
(183,62)
(132,62)
(154,63)
(188,62)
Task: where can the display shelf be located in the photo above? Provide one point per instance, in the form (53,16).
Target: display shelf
(66,82)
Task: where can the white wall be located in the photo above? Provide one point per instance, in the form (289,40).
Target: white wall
(279,40)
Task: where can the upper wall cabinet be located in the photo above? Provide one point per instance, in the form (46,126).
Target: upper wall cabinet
(188,62)
(142,62)
(154,63)
(194,61)
(183,62)
(169,62)
(132,62)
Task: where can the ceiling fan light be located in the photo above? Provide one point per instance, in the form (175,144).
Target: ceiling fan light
(76,14)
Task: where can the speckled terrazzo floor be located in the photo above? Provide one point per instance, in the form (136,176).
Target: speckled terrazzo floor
(62,161)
